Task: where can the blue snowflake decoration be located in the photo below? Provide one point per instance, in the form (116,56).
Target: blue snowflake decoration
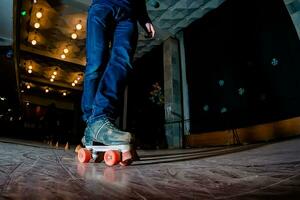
(274,62)
(223,110)
(221,83)
(206,108)
(241,91)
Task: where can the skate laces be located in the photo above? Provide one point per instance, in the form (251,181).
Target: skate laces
(110,125)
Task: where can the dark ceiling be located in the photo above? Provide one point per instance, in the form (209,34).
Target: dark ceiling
(50,38)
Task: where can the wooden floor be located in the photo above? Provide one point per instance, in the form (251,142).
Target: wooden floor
(262,171)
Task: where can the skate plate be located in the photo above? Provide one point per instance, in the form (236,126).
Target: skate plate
(113,154)
(103,148)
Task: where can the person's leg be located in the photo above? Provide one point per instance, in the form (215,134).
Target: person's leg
(109,94)
(111,87)
(97,50)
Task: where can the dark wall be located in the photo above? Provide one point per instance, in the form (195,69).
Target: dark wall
(9,102)
(48,123)
(146,114)
(8,86)
(243,65)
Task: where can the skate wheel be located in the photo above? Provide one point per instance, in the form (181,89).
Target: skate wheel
(112,157)
(84,155)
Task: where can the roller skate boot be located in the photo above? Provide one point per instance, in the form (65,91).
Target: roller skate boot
(116,143)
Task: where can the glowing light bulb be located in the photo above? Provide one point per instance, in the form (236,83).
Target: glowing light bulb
(52,80)
(53,76)
(47,90)
(63,56)
(66,50)
(30,71)
(39,15)
(75,81)
(74,36)
(33,42)
(78,78)
(28,86)
(37,25)
(55,73)
(64,94)
(30,67)
(73,84)
(78,26)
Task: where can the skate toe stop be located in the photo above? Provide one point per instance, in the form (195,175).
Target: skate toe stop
(126,158)
(78,147)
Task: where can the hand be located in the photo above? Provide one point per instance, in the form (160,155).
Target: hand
(150,30)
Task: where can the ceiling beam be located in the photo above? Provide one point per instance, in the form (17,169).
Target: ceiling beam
(55,83)
(51,55)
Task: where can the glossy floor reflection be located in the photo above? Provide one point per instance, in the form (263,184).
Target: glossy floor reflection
(265,171)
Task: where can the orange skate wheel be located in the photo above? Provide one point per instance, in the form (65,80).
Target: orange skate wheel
(112,157)
(84,155)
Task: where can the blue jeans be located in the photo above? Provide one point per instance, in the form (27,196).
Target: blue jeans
(107,68)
